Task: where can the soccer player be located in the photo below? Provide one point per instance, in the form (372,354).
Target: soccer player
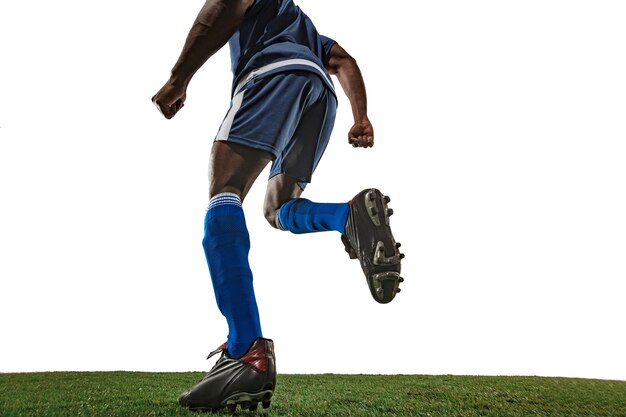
(282,112)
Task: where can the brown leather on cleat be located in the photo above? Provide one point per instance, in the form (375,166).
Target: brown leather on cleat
(368,238)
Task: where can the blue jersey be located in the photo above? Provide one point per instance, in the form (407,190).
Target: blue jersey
(277,36)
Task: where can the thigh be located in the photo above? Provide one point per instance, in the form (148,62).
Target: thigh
(234,168)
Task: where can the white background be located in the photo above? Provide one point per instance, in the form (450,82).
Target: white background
(500,137)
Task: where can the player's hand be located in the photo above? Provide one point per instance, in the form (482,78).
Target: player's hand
(361,135)
(170,99)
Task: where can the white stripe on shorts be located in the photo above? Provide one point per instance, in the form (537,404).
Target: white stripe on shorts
(227,124)
(273,66)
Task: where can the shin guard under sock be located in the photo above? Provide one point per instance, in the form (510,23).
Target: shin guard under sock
(226,245)
(300,215)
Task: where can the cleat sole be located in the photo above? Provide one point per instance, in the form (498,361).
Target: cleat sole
(372,208)
(369,239)
(386,285)
(381,259)
(249,401)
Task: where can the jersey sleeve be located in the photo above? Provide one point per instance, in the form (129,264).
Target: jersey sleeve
(327,44)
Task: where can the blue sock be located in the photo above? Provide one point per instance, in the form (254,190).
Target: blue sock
(226,245)
(300,215)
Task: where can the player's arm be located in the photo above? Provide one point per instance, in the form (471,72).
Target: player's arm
(215,24)
(345,68)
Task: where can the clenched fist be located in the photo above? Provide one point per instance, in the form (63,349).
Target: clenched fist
(361,135)
(170,98)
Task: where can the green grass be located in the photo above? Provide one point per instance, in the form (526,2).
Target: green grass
(113,394)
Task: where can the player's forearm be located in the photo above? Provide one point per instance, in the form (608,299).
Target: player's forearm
(215,24)
(352,83)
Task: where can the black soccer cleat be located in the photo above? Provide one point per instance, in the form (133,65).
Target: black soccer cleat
(368,237)
(245,381)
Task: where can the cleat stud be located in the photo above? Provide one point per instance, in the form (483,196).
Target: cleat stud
(402,256)
(371,196)
(389,212)
(232,408)
(374,211)
(245,405)
(266,404)
(253,407)
(387,199)
(398,244)
(400,279)
(398,290)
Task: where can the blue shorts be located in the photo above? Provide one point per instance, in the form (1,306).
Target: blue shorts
(289,114)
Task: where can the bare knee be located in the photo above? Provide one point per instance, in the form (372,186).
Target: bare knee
(270,216)
(280,189)
(270,212)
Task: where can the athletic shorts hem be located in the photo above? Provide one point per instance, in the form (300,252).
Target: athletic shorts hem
(251,144)
(302,182)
